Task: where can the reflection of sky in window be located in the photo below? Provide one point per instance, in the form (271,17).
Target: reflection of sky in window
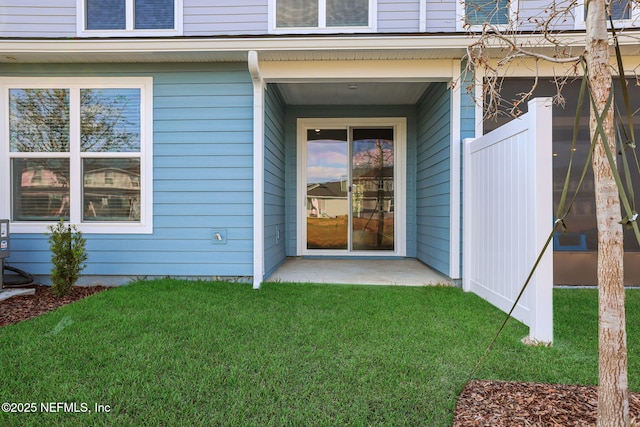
(326,161)
(110,120)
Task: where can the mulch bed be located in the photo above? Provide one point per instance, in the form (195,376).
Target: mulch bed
(498,404)
(482,403)
(23,307)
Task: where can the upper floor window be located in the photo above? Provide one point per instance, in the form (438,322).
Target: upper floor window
(322,15)
(111,18)
(77,149)
(474,14)
(625,13)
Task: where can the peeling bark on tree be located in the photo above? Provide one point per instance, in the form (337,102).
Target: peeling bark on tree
(613,403)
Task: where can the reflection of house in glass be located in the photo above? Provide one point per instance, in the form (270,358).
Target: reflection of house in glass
(111,193)
(372,219)
(42,194)
(372,192)
(327,200)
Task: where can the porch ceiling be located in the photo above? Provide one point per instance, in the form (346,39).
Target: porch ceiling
(352,93)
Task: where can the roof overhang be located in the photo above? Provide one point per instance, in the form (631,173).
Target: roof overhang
(275,48)
(271,48)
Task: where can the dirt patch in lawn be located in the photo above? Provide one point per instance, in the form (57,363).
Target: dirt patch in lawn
(511,404)
(23,307)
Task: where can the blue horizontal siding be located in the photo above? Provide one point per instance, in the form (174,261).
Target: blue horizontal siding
(203,176)
(433,178)
(237,144)
(191,185)
(274,181)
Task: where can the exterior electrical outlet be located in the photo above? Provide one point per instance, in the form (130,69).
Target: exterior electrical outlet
(219,237)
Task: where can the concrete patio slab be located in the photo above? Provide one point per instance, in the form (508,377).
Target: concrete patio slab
(403,272)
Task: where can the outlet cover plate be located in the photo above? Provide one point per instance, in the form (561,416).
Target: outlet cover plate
(219,236)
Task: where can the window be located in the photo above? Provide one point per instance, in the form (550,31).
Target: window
(123,17)
(581,222)
(322,15)
(575,256)
(476,13)
(78,149)
(623,12)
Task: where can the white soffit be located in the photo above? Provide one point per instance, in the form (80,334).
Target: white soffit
(355,93)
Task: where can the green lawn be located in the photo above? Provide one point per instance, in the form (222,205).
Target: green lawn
(176,353)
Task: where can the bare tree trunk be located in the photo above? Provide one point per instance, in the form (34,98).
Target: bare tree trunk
(613,403)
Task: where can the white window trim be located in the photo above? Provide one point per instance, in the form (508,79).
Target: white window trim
(145,84)
(322,27)
(579,23)
(461,20)
(81,23)
(399,125)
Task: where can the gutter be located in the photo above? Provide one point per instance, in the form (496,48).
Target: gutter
(275,47)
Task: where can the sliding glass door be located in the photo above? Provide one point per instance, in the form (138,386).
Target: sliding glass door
(327,199)
(349,177)
(372,195)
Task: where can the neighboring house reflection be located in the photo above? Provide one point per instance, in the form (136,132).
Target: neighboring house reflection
(112,193)
(108,193)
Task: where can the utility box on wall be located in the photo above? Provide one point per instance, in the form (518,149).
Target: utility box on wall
(4,247)
(4,238)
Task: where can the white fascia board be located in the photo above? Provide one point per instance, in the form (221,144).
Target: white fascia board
(362,70)
(245,44)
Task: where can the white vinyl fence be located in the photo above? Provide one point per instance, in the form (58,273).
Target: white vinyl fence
(508,215)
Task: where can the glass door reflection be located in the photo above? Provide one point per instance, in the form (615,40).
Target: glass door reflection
(327,204)
(372,203)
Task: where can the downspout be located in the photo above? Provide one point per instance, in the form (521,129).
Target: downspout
(258,169)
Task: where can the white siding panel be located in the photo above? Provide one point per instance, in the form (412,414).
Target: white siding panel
(398,15)
(532,13)
(224,17)
(38,18)
(441,16)
(48,18)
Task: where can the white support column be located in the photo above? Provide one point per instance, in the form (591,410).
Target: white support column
(466,221)
(454,174)
(258,169)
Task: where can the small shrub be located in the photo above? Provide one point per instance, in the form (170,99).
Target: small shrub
(68,255)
